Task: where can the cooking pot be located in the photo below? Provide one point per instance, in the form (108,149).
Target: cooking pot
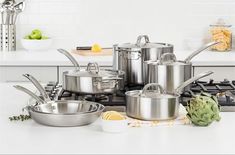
(93,80)
(170,72)
(158,104)
(129,57)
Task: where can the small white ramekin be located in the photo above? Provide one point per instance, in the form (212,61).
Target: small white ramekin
(114,126)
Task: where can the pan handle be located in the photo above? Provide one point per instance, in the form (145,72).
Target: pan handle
(71,58)
(186,83)
(165,56)
(38,86)
(158,87)
(23,89)
(90,64)
(189,58)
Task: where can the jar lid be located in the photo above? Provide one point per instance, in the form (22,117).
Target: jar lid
(221,23)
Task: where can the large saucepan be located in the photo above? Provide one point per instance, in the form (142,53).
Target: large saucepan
(60,113)
(168,71)
(129,57)
(92,80)
(156,105)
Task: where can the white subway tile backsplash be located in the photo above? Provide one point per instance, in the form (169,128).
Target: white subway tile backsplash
(83,22)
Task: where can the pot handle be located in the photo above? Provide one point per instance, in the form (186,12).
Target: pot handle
(158,86)
(129,55)
(90,64)
(186,83)
(71,58)
(165,56)
(191,56)
(25,90)
(146,38)
(38,86)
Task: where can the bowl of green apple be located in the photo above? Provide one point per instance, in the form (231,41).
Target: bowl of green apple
(36,41)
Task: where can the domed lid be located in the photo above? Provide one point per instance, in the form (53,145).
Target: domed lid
(146,44)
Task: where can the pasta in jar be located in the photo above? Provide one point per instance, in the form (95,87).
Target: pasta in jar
(222,33)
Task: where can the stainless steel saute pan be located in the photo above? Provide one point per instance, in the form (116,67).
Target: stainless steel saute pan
(93,80)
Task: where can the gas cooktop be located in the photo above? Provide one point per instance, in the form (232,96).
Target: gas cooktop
(224,90)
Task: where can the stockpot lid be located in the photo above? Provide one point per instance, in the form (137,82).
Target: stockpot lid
(147,44)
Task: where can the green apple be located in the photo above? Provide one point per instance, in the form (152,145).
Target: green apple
(44,37)
(27,37)
(36,34)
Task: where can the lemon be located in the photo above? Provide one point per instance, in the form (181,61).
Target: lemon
(96,48)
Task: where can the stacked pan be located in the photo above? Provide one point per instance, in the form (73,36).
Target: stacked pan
(62,113)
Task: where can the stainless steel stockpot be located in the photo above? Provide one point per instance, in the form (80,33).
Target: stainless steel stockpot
(93,80)
(129,57)
(156,105)
(168,71)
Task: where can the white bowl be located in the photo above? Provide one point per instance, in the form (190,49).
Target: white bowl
(114,126)
(36,44)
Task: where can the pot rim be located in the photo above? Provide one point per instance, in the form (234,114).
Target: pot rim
(139,92)
(134,47)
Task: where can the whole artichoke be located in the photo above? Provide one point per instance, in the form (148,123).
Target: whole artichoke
(203,109)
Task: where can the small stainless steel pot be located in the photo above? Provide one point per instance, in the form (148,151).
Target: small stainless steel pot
(156,105)
(93,80)
(168,71)
(130,57)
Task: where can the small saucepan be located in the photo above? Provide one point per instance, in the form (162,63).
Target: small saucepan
(156,104)
(170,72)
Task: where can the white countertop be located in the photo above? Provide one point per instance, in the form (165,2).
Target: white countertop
(54,58)
(29,137)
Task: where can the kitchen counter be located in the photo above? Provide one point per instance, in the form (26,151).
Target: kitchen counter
(28,137)
(54,58)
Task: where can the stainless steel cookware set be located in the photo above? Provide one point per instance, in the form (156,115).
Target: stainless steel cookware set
(151,64)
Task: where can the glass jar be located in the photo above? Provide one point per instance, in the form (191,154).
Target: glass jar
(221,32)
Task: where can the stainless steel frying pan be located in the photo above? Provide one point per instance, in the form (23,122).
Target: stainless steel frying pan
(60,113)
